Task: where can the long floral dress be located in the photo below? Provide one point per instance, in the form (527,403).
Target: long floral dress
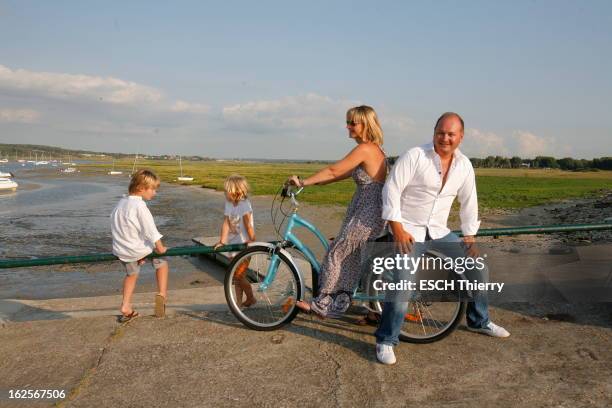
(340,271)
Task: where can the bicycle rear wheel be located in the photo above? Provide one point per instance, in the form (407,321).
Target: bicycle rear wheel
(427,322)
(424,321)
(275,302)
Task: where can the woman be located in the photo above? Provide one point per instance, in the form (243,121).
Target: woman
(366,163)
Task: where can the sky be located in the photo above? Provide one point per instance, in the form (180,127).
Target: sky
(274,79)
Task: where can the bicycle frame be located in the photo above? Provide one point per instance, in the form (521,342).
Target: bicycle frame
(296,221)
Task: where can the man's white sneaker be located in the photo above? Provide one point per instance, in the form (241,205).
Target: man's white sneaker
(492,330)
(385,354)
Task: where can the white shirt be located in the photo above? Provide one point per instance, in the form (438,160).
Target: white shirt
(413,196)
(133,229)
(237,230)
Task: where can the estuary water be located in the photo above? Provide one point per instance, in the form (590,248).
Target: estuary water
(53,214)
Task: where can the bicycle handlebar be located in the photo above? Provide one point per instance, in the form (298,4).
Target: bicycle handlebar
(290,190)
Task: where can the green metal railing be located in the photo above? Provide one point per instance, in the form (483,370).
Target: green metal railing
(91,258)
(202,249)
(541,229)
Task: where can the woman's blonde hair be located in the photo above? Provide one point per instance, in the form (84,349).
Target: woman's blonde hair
(142,180)
(372,132)
(236,186)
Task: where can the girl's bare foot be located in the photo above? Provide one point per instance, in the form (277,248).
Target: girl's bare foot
(249,302)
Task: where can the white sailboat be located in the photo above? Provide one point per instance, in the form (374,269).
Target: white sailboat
(69,162)
(182,177)
(134,165)
(113,172)
(6,175)
(8,184)
(41,162)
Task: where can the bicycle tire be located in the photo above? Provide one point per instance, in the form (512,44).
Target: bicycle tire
(250,317)
(455,317)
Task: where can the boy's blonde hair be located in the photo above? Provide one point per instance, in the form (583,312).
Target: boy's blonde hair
(143,179)
(372,132)
(236,186)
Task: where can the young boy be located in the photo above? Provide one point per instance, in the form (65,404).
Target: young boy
(134,237)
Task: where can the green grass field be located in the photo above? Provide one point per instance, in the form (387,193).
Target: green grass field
(497,188)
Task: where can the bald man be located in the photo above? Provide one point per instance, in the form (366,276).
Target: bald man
(417,199)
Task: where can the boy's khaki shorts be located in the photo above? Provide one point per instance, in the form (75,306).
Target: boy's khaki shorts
(132,268)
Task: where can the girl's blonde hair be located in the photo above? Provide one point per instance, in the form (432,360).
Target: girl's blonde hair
(236,186)
(372,132)
(142,180)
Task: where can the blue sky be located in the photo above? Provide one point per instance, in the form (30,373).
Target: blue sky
(274,79)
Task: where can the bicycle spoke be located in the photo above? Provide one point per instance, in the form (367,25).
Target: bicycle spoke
(272,307)
(432,317)
(419,314)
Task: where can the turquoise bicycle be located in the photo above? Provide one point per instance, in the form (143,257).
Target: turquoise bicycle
(276,274)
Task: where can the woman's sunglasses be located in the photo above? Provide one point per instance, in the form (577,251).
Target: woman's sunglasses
(352,123)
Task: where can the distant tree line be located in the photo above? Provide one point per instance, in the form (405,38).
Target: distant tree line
(540,162)
(543,162)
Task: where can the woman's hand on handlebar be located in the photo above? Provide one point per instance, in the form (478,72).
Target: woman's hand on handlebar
(295,181)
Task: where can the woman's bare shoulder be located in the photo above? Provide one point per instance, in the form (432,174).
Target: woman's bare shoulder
(368,148)
(370,151)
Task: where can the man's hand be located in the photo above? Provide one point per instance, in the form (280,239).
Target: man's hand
(470,246)
(403,240)
(218,245)
(141,262)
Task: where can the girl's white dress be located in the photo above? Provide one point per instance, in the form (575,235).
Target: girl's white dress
(237,231)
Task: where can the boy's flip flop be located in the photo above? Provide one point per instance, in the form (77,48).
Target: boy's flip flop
(160,306)
(126,318)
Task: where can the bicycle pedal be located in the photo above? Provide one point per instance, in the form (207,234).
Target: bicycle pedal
(411,317)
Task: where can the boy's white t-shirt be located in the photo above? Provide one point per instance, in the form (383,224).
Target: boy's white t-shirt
(133,229)
(238,233)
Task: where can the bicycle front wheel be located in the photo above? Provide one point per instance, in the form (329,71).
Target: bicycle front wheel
(274,283)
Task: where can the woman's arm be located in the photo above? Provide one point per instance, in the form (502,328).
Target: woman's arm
(339,170)
(224,232)
(248,223)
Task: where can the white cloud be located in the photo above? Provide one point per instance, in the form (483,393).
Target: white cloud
(182,106)
(477,143)
(70,86)
(18,115)
(297,113)
(530,145)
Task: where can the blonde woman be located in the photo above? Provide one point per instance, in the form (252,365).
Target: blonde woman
(366,164)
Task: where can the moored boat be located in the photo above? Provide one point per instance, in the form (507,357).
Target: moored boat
(8,184)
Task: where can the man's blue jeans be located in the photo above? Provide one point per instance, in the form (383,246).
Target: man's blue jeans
(477,313)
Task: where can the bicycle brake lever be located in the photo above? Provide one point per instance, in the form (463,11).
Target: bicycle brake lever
(285,192)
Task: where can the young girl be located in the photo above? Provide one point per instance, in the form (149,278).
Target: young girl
(238,228)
